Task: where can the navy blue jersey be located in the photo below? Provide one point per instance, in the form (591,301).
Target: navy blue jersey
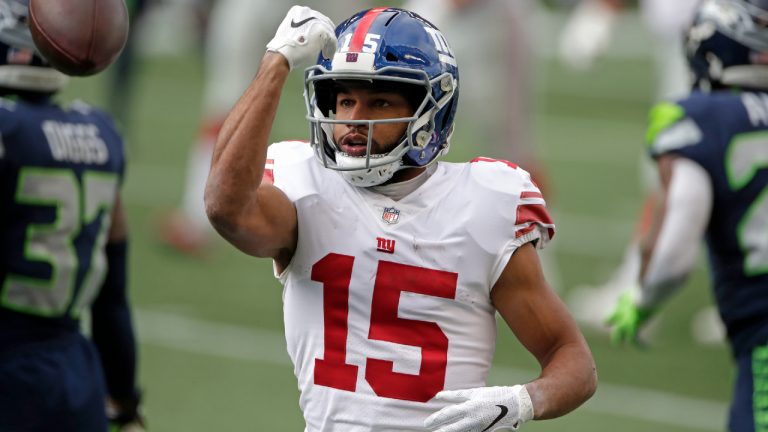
(60,170)
(727,134)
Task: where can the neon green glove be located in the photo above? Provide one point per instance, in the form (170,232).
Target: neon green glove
(626,320)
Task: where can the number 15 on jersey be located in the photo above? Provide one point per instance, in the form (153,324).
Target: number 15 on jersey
(334,271)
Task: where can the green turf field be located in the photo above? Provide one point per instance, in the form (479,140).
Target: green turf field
(212,350)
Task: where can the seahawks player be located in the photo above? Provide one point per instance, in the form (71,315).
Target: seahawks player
(62,251)
(711,149)
(394,264)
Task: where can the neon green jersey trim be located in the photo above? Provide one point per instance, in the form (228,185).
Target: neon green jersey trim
(662,116)
(760,388)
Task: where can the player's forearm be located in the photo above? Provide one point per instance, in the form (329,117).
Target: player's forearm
(112,326)
(237,165)
(568,380)
(669,254)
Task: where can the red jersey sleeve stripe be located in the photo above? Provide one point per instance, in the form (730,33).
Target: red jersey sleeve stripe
(358,38)
(269,172)
(537,213)
(532,215)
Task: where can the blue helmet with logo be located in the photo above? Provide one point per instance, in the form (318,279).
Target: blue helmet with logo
(398,50)
(727,45)
(22,68)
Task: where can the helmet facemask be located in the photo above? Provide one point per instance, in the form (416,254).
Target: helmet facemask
(371,169)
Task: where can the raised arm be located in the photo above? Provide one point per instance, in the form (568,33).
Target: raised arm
(257,218)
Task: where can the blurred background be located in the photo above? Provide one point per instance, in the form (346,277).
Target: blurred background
(212,352)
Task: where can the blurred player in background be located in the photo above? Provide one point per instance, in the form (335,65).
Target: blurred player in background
(236,30)
(63,249)
(711,149)
(585,37)
(590,29)
(123,77)
(394,265)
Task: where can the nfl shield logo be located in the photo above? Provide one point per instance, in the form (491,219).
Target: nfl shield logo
(391,215)
(351,57)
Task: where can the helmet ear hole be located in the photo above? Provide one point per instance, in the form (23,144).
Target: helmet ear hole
(422,138)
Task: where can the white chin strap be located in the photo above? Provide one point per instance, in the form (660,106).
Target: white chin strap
(353,169)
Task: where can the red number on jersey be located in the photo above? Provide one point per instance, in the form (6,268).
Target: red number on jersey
(335,272)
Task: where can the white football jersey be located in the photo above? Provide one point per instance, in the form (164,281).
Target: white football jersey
(387,302)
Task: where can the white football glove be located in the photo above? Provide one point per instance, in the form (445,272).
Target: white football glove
(302,35)
(587,34)
(482,409)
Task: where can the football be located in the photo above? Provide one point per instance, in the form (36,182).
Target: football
(79,37)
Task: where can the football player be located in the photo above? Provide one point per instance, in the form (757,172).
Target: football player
(711,151)
(63,249)
(585,37)
(394,265)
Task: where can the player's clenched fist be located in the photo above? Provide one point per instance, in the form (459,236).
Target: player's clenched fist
(302,35)
(482,409)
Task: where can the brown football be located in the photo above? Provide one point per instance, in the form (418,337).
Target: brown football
(79,37)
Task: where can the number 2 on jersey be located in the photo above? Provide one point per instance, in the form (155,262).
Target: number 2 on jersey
(334,271)
(745,157)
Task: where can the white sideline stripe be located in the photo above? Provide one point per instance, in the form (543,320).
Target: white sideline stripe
(229,341)
(172,331)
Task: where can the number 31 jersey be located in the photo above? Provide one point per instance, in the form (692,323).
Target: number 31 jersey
(387,302)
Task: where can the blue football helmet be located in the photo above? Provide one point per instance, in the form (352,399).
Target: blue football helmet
(727,45)
(398,50)
(22,68)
